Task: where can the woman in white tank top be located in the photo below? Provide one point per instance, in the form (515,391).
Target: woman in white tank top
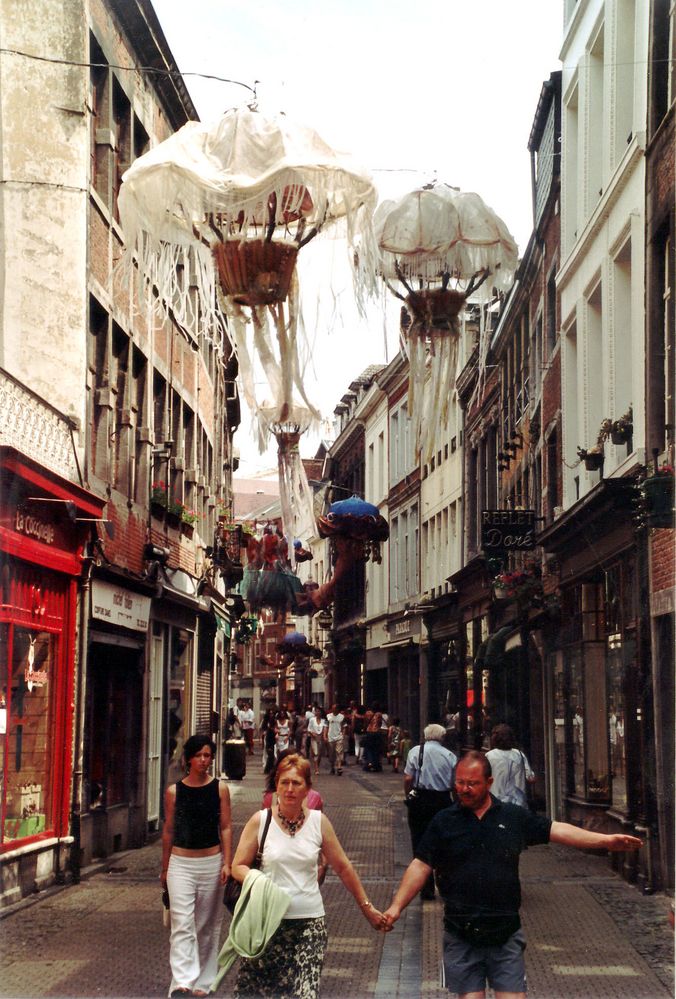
(292,963)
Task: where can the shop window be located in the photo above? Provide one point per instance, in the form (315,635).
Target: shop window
(577,720)
(563,761)
(619,657)
(179,699)
(26,731)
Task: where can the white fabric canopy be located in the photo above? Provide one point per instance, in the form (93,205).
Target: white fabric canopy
(240,177)
(440,230)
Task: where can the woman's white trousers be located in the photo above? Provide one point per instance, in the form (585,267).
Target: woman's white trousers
(196,907)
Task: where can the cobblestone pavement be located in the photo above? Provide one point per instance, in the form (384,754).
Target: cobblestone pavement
(589,933)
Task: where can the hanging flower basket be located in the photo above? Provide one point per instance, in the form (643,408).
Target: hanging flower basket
(593,459)
(658,492)
(255,272)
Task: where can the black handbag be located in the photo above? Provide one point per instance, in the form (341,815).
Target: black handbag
(233,888)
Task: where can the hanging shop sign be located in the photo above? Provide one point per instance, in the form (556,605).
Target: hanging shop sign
(507,530)
(120,607)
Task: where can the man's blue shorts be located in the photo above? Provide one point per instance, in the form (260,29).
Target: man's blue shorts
(467,968)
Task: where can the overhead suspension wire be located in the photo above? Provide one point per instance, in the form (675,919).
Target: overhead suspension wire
(176,73)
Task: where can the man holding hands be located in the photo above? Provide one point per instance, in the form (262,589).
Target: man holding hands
(474,848)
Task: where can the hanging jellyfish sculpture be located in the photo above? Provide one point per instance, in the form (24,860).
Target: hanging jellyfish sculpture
(439,247)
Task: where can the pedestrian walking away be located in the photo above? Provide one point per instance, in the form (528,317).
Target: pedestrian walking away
(371,742)
(334,738)
(247,720)
(196,857)
(316,727)
(394,744)
(474,846)
(297,836)
(511,771)
(428,779)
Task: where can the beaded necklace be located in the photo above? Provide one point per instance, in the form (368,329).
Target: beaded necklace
(291,825)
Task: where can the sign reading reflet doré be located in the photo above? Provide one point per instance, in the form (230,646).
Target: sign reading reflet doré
(505,530)
(26,523)
(118,606)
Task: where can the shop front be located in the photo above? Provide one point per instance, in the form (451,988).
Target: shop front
(44,520)
(115,764)
(600,697)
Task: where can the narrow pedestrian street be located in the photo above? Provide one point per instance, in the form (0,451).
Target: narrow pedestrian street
(589,933)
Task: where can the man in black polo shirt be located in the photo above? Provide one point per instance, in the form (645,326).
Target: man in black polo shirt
(474,848)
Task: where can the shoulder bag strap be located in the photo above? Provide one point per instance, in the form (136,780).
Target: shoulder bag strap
(265,830)
(261,846)
(420,763)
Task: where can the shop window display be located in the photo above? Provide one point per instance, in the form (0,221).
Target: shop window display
(27,673)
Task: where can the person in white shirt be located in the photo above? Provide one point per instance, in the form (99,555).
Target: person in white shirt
(428,779)
(296,841)
(511,770)
(316,727)
(334,739)
(247,722)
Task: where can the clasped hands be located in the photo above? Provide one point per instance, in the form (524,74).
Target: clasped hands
(382,921)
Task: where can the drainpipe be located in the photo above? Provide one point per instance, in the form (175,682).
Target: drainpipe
(80,690)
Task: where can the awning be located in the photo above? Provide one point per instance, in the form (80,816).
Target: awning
(397,643)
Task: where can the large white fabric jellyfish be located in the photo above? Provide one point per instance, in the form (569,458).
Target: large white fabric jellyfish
(215,216)
(228,206)
(438,248)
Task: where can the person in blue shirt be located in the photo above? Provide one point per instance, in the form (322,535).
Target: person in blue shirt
(428,779)
(474,848)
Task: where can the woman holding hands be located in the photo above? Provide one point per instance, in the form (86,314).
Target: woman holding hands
(196,855)
(292,963)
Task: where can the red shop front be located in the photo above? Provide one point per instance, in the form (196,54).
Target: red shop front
(44,521)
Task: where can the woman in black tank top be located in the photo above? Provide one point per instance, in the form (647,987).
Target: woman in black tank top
(196,858)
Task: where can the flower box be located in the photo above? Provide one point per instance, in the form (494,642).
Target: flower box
(157,510)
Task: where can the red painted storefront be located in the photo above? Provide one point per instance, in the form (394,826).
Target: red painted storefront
(44,523)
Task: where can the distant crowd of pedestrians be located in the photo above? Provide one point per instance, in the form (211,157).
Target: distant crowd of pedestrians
(366,733)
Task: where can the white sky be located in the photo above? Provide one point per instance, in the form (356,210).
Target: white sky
(448,88)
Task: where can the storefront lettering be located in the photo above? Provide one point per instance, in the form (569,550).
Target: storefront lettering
(502,530)
(37,677)
(120,606)
(33,527)
(402,627)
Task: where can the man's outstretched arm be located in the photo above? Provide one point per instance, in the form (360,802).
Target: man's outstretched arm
(585,839)
(415,876)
